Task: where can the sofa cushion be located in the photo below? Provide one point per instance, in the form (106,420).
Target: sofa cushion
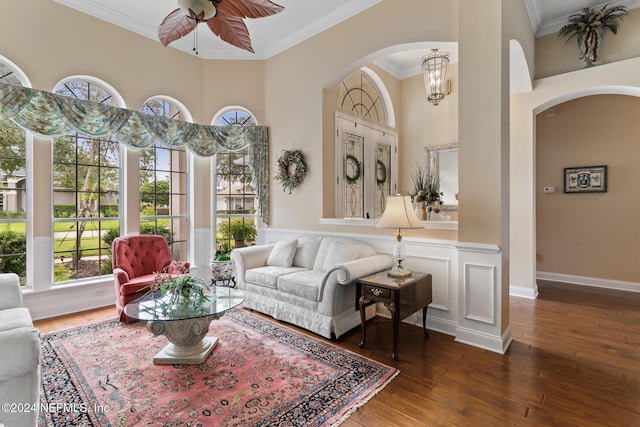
(282,253)
(13,318)
(337,251)
(268,276)
(305,284)
(306,251)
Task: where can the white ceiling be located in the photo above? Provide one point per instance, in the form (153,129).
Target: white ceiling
(300,20)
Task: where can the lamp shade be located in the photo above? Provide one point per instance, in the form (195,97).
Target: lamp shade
(399,214)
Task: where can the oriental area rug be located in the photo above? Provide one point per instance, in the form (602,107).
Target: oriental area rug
(260,374)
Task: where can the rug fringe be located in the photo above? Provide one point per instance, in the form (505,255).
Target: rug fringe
(350,412)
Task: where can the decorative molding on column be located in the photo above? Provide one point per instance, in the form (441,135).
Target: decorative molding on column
(480,292)
(480,297)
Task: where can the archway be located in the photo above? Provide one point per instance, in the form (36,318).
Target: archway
(614,78)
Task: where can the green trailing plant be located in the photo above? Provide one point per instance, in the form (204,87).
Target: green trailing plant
(182,289)
(222,256)
(588,27)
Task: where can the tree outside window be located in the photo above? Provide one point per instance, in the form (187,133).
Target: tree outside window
(13,198)
(163,185)
(86,180)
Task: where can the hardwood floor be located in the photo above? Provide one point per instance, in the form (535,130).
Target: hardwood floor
(574,361)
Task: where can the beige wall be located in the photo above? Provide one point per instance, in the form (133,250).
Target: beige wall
(556,56)
(299,85)
(591,234)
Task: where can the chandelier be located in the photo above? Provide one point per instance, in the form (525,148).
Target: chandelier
(434,68)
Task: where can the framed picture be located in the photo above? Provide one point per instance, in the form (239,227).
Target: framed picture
(586,179)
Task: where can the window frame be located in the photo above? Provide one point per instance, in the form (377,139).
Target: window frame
(250,233)
(106,94)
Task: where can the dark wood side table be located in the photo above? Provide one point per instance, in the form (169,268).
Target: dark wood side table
(402,296)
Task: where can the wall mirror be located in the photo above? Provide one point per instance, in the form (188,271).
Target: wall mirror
(442,161)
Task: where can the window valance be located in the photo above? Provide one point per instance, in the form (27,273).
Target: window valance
(52,115)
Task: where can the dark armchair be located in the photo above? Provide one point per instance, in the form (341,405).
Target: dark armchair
(135,260)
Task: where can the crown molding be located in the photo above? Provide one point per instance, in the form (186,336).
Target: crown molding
(554,25)
(185,44)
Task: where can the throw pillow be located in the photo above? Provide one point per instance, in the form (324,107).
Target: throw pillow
(307,251)
(343,250)
(282,253)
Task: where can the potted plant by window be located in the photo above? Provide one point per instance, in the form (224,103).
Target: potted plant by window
(222,267)
(238,229)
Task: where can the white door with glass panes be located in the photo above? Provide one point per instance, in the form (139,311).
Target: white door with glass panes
(366,160)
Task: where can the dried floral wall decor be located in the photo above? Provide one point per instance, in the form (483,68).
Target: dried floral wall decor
(292,169)
(589,25)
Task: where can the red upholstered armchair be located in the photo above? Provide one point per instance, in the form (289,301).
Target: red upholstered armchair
(135,260)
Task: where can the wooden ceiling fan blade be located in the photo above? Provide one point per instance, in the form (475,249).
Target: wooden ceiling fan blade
(174,26)
(231,29)
(249,8)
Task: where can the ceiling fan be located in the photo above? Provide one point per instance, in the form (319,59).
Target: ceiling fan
(223,17)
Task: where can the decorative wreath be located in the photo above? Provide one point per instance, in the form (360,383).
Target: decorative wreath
(381,172)
(355,164)
(291,169)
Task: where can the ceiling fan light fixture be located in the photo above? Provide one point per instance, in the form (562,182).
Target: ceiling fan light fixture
(202,10)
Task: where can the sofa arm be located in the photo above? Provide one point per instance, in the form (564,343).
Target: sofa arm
(120,277)
(10,292)
(247,258)
(19,352)
(352,270)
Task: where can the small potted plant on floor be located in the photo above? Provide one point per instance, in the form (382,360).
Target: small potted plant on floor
(222,266)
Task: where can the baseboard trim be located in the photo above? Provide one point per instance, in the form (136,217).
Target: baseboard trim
(488,342)
(522,292)
(589,281)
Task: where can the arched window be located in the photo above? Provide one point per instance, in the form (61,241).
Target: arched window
(163,183)
(235,201)
(366,148)
(359,96)
(13,186)
(86,193)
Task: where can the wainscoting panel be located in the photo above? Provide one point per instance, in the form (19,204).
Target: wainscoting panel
(438,257)
(201,251)
(480,297)
(480,292)
(65,299)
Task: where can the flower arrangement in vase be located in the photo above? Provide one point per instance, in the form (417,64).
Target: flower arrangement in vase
(426,193)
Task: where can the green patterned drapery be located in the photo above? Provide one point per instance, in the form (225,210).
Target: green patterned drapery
(52,115)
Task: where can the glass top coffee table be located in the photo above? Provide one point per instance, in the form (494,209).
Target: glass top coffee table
(184,322)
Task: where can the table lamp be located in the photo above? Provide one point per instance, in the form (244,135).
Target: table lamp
(399,214)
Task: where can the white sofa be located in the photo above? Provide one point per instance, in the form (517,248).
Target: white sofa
(19,357)
(308,281)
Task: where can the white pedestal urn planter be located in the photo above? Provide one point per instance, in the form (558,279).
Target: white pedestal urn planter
(222,271)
